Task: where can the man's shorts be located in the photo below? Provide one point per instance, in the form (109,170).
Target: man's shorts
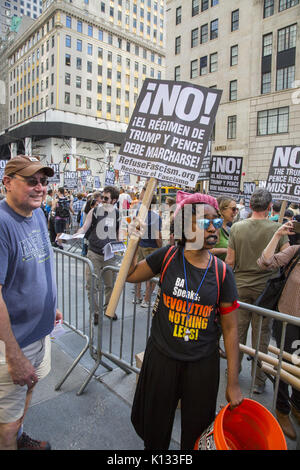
(13,396)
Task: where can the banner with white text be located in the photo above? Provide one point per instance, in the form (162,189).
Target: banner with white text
(225,176)
(284,174)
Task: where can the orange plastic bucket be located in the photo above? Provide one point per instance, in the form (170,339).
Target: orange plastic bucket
(250,426)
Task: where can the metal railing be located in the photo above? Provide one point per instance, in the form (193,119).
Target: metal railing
(285,320)
(72,299)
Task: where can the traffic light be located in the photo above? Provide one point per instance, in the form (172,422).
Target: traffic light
(66,159)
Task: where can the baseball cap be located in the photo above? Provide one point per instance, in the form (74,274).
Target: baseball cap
(24,165)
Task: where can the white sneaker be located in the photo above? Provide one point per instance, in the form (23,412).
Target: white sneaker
(145,304)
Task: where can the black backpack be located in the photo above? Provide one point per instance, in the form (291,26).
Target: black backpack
(62,208)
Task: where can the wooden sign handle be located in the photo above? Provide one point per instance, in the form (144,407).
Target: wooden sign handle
(131,248)
(282,211)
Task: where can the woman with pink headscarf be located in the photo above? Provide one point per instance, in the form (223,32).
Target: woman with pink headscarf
(181,360)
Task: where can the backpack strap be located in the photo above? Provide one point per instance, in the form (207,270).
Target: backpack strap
(166,263)
(218,276)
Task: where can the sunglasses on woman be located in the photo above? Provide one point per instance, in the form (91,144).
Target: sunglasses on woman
(205,223)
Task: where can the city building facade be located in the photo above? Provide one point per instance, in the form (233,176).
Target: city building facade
(251,50)
(77,71)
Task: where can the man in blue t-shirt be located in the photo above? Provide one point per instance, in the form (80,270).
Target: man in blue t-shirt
(27,296)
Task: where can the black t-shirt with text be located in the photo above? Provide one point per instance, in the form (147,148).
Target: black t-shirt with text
(169,322)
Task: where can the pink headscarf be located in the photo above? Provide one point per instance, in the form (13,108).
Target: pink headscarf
(183,198)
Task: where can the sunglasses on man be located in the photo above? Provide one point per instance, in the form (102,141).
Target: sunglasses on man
(32,181)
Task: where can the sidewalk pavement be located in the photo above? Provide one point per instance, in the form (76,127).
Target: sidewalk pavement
(99,419)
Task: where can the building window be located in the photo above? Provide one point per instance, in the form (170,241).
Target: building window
(68,22)
(204,33)
(177,44)
(177,73)
(214,2)
(235,18)
(90,49)
(204,5)
(266,83)
(67,79)
(78,100)
(67,59)
(267,44)
(89,102)
(287,38)
(268,8)
(79,45)
(194,68)
(285,78)
(284,4)
(233,90)
(194,37)
(79,26)
(234,52)
(68,41)
(195,7)
(89,66)
(90,30)
(214,25)
(78,63)
(231,127)
(99,105)
(273,121)
(178,15)
(78,81)
(203,65)
(89,84)
(67,97)
(213,62)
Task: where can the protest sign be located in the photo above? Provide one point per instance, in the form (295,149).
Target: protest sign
(225,176)
(109,178)
(2,168)
(83,174)
(56,177)
(97,183)
(70,179)
(166,140)
(248,190)
(169,130)
(284,174)
(205,167)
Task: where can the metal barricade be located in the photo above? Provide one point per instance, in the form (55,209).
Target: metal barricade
(120,341)
(285,320)
(72,300)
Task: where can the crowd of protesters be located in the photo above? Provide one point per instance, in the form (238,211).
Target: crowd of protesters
(223,240)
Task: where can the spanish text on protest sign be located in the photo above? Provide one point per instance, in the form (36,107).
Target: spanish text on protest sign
(168,132)
(56,177)
(284,174)
(70,179)
(248,189)
(225,176)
